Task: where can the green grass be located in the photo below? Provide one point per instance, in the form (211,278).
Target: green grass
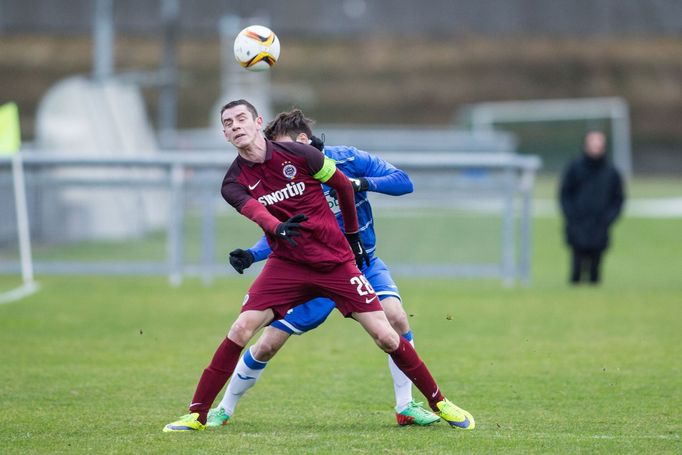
(99,365)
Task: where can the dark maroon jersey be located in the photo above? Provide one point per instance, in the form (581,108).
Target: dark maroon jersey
(285,185)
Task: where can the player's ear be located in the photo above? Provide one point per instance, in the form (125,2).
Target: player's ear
(259,121)
(302,138)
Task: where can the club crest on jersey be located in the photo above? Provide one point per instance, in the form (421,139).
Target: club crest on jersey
(289,170)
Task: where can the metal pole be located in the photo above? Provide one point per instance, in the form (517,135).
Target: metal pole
(175,225)
(481,120)
(620,128)
(103,37)
(508,230)
(527,182)
(168,97)
(22,220)
(231,74)
(207,234)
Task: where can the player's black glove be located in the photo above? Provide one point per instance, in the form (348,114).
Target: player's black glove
(317,142)
(361,256)
(359,184)
(290,228)
(241,260)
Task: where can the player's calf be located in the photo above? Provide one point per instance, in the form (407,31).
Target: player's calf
(269,344)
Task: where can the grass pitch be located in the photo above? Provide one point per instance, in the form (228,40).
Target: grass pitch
(99,365)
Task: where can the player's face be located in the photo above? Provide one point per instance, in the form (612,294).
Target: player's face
(239,126)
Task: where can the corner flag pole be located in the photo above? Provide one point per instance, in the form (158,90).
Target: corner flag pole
(10,143)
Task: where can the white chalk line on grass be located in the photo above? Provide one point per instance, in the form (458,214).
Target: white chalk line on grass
(19,293)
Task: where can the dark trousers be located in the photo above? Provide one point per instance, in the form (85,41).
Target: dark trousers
(585,261)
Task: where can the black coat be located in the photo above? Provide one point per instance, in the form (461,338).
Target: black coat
(591,200)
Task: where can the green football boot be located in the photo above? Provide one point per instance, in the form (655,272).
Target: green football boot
(415,414)
(455,416)
(188,422)
(217,417)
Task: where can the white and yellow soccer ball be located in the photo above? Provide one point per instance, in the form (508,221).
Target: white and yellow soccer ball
(256,48)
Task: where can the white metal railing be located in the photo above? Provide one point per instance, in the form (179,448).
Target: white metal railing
(518,175)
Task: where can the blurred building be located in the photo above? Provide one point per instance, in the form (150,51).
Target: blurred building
(395,62)
(586,18)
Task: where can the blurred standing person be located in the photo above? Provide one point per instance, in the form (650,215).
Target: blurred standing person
(591,199)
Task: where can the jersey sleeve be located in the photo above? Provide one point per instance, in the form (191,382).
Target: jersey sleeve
(232,191)
(238,197)
(261,249)
(326,171)
(382,176)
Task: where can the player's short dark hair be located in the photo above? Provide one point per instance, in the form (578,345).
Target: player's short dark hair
(241,102)
(290,124)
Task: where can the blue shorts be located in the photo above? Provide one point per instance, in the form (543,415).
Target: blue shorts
(307,316)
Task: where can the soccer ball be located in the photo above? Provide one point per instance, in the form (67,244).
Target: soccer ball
(256,48)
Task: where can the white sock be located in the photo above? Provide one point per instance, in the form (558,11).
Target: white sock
(245,375)
(402,386)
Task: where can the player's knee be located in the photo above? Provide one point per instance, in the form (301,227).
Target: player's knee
(387,340)
(240,332)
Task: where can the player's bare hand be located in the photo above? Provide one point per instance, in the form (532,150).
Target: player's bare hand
(290,227)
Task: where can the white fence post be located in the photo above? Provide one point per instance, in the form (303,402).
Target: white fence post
(175,225)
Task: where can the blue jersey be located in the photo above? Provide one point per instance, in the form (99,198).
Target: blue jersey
(382,177)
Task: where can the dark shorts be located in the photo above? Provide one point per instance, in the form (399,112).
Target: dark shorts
(282,285)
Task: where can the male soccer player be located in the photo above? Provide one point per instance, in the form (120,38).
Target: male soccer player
(278,186)
(367,173)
